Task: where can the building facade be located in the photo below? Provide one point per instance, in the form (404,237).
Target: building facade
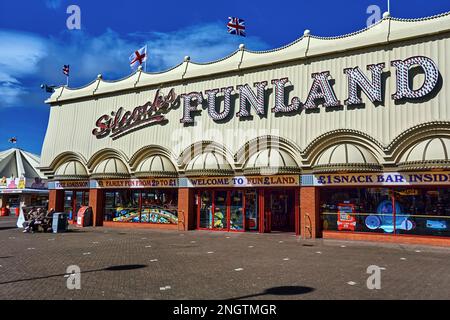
(22,184)
(344,137)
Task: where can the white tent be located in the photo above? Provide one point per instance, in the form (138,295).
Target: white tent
(20,180)
(19,163)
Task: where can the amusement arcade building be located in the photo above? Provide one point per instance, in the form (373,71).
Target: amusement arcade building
(344,137)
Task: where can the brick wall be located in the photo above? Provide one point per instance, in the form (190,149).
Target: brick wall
(297,212)
(56,200)
(96,202)
(309,213)
(186,214)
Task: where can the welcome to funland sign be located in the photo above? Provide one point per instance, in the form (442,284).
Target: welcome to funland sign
(121,122)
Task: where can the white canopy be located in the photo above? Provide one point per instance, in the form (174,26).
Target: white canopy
(17,163)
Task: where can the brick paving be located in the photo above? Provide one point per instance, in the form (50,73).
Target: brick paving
(155,264)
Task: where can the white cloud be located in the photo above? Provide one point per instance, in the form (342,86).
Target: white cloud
(108,53)
(87,56)
(19,59)
(31,59)
(10,93)
(203,43)
(5,77)
(21,52)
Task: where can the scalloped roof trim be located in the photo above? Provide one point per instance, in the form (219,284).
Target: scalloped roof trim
(442,23)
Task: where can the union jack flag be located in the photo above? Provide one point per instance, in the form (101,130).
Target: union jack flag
(66,69)
(236,26)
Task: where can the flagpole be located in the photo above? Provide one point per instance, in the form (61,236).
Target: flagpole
(146,58)
(389,5)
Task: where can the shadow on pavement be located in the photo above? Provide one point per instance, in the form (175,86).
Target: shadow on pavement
(7,228)
(279,291)
(125,267)
(111,268)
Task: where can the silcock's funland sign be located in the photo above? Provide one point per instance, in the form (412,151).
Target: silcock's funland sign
(121,122)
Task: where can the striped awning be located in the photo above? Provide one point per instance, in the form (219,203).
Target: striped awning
(428,154)
(346,157)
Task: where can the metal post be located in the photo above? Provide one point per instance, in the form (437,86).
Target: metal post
(146,58)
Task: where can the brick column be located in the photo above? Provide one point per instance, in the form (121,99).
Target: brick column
(297,211)
(186,214)
(309,213)
(261,211)
(56,200)
(97,203)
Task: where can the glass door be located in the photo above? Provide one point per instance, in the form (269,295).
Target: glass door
(237,221)
(68,203)
(205,210)
(281,210)
(220,210)
(251,210)
(225,210)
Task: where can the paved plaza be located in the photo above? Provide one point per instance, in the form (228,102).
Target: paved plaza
(152,264)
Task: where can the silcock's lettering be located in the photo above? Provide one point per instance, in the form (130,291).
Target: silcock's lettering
(121,122)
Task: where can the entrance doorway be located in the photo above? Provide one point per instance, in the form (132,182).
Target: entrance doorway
(280,210)
(227,210)
(73,201)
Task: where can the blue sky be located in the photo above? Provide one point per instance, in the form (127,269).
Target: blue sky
(35,42)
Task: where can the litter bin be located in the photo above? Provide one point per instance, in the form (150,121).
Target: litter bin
(60,222)
(84,217)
